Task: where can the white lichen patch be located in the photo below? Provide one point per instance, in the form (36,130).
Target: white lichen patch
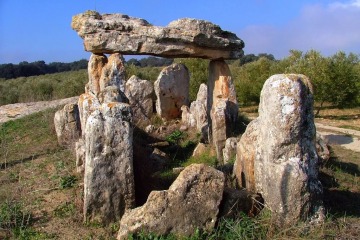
(287,106)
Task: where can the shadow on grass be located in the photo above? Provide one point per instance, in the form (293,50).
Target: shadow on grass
(338,200)
(342,202)
(19,161)
(334,163)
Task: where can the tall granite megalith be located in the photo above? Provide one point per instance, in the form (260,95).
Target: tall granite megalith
(277,157)
(172,91)
(108,181)
(222,107)
(105,151)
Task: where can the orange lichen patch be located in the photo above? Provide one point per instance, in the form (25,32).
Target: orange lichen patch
(112,104)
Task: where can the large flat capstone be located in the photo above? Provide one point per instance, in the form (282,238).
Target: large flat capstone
(111,33)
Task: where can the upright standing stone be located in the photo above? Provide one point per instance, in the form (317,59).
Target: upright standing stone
(67,124)
(87,104)
(172,91)
(222,107)
(113,73)
(109,178)
(95,66)
(199,109)
(245,157)
(280,144)
(141,96)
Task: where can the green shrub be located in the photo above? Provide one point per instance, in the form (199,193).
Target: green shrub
(175,136)
(67,181)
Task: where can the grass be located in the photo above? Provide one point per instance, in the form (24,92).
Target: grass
(41,194)
(43,87)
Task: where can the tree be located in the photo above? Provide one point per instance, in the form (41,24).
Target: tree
(249,79)
(345,79)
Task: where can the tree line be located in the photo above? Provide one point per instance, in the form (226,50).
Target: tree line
(26,69)
(336,78)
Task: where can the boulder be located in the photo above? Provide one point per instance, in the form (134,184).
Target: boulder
(109,177)
(280,148)
(229,150)
(67,124)
(159,159)
(112,33)
(141,96)
(191,203)
(222,105)
(199,150)
(172,91)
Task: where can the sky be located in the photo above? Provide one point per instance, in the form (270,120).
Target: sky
(33,30)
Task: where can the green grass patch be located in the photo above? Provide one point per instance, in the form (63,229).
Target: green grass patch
(350,127)
(65,210)
(25,139)
(205,158)
(68,181)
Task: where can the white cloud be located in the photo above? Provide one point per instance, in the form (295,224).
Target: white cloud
(326,28)
(351,4)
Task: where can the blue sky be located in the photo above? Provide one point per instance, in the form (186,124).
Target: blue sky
(32,30)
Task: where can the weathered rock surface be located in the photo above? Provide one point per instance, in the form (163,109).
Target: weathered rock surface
(192,202)
(172,91)
(141,96)
(87,104)
(187,117)
(111,33)
(229,150)
(322,149)
(113,73)
(67,124)
(199,110)
(280,144)
(245,157)
(222,105)
(95,65)
(199,150)
(109,177)
(80,155)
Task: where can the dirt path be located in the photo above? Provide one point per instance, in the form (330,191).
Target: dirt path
(347,138)
(18,110)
